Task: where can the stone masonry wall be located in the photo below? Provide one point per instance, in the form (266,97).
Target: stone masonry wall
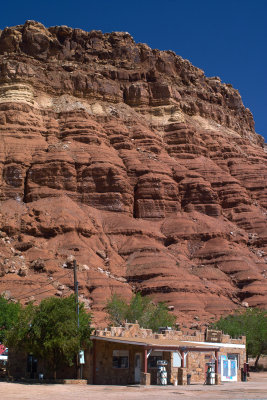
(130,330)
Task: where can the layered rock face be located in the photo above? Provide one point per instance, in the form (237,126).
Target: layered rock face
(132,161)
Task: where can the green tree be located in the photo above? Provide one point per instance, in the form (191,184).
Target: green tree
(9,313)
(17,336)
(116,309)
(159,316)
(253,324)
(50,331)
(140,309)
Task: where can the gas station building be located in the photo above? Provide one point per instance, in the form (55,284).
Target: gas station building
(129,355)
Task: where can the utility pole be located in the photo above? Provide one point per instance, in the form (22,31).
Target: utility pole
(76,283)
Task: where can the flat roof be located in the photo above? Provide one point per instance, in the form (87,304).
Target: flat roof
(161,343)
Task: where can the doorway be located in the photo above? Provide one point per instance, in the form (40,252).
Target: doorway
(137,367)
(228,368)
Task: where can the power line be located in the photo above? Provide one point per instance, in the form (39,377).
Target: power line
(45,291)
(33,292)
(37,294)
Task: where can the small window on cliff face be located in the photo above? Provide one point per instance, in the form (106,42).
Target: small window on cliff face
(13,176)
(137,202)
(110,178)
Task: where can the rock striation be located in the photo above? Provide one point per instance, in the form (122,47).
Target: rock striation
(135,163)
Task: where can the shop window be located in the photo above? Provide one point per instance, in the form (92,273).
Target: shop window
(176,359)
(233,356)
(120,359)
(153,358)
(152,361)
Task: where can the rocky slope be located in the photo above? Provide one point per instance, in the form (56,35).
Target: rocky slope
(131,160)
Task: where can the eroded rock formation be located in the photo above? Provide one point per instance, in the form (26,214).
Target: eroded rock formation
(131,160)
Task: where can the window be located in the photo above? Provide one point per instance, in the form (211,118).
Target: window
(233,356)
(152,361)
(31,365)
(120,359)
(153,358)
(176,359)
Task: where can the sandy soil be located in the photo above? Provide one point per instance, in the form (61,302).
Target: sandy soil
(255,388)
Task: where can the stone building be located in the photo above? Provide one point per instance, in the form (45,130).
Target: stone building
(129,355)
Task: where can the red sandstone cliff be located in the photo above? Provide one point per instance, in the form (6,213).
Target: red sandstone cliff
(133,161)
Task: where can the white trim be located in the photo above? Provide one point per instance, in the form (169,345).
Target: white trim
(118,340)
(227,345)
(181,344)
(148,353)
(147,344)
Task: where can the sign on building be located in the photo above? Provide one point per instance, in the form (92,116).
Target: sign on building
(213,336)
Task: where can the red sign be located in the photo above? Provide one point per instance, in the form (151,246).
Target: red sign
(2,349)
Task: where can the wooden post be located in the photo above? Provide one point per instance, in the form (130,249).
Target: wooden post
(182,359)
(77,314)
(217,376)
(145,361)
(94,362)
(216,361)
(145,377)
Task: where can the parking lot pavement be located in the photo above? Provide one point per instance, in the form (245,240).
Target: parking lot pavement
(255,388)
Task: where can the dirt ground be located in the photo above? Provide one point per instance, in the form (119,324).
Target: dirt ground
(255,388)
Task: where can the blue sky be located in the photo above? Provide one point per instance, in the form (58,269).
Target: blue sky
(226,38)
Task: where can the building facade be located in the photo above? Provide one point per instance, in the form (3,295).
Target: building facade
(129,354)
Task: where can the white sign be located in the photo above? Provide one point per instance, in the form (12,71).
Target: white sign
(81,357)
